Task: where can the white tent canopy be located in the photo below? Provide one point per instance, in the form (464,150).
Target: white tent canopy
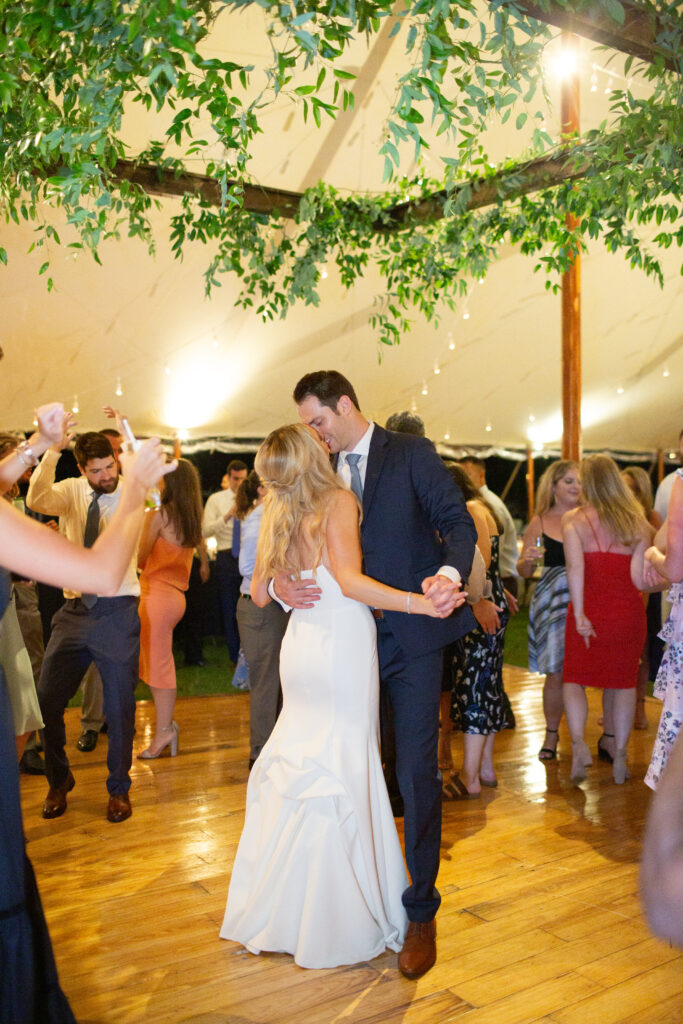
(205,366)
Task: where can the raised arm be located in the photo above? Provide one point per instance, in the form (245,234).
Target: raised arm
(36,552)
(50,428)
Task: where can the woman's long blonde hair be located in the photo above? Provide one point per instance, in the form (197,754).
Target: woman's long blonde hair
(300,481)
(605,490)
(545,499)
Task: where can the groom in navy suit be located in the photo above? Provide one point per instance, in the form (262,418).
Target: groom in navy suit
(416,534)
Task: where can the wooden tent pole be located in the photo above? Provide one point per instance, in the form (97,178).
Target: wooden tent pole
(660,465)
(530,485)
(571,282)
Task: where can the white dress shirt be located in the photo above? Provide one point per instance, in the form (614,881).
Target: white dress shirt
(213,523)
(509,552)
(69,499)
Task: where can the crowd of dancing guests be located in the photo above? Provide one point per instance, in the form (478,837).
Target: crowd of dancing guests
(287,537)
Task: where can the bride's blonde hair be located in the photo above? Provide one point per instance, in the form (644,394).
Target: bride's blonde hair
(296,471)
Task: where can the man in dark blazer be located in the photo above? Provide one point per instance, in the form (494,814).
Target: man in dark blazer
(416,534)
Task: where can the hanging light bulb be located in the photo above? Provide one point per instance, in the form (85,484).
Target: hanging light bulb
(532,418)
(74,407)
(594,81)
(119,389)
(425,389)
(608,87)
(620,390)
(451,341)
(488,428)
(447,436)
(437,369)
(666,372)
(167,370)
(465,313)
(413,406)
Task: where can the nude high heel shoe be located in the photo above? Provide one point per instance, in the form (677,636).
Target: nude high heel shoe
(173,730)
(581,759)
(620,770)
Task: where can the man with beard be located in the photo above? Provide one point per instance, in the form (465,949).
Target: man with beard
(88,628)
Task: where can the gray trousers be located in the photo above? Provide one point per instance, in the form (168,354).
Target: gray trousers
(261,633)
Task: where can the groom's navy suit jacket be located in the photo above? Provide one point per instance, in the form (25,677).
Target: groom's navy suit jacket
(414,521)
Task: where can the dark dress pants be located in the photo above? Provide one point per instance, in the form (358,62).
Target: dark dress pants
(229,582)
(412,687)
(109,635)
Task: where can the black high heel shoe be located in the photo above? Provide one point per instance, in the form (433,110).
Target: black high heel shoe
(603,753)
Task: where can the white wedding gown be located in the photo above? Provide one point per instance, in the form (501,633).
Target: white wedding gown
(319,870)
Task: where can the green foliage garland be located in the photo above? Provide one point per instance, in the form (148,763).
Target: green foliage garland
(69,68)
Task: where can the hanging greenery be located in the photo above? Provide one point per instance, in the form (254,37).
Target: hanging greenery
(70,69)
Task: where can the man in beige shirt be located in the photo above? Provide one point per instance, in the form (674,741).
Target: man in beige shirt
(88,628)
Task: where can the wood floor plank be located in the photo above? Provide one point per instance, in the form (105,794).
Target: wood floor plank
(540,918)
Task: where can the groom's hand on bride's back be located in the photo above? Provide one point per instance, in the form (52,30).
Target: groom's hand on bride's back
(296,593)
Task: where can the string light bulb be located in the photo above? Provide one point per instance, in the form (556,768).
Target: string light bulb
(620,390)
(594,82)
(666,372)
(167,370)
(437,369)
(608,87)
(74,407)
(119,389)
(447,436)
(425,389)
(488,428)
(451,341)
(465,313)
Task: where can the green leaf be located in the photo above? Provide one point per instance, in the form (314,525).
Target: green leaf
(615,11)
(521,121)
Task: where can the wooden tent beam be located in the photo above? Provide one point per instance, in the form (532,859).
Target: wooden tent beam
(543,172)
(636,37)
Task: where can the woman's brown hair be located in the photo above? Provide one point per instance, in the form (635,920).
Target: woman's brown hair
(181,503)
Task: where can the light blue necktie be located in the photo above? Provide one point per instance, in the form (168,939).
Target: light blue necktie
(356,482)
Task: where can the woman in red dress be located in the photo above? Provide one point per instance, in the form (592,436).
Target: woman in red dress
(604,543)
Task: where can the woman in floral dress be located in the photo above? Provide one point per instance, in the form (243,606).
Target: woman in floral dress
(664,562)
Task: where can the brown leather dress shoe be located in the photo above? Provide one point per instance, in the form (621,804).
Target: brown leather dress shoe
(55,801)
(419,949)
(118,808)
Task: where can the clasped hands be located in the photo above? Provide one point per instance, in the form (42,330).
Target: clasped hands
(444,594)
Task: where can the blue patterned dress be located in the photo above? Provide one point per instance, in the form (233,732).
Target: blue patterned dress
(669,685)
(669,688)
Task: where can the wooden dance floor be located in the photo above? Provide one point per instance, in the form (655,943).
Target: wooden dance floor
(540,920)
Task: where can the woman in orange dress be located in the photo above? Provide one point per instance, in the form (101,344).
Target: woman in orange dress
(169,536)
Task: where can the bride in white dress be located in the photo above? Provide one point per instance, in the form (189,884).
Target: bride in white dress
(319,871)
